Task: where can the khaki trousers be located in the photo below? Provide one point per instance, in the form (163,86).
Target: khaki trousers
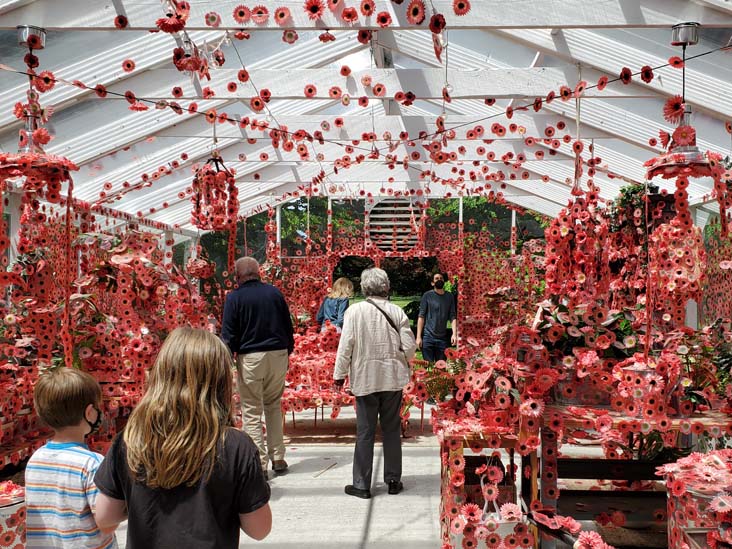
(261,384)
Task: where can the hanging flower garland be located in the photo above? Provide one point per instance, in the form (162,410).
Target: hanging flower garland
(215,202)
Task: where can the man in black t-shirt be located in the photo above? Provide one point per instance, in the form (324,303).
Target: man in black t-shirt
(435,309)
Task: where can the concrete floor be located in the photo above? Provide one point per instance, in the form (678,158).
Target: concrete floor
(311,511)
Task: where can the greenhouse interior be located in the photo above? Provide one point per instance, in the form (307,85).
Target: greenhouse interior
(237,237)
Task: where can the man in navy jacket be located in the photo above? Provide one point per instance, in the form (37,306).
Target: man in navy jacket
(257,327)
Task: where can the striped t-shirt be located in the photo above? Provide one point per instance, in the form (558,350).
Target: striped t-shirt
(60,495)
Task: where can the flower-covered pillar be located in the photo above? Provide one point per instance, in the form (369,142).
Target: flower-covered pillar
(40,176)
(677,259)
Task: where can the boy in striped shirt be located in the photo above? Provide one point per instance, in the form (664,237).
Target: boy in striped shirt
(59,477)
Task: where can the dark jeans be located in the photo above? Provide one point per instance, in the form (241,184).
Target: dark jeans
(384,405)
(433,349)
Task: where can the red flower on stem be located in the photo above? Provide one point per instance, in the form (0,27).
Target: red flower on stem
(437,23)
(314,9)
(647,74)
(349,15)
(256,104)
(676,62)
(461,7)
(242,14)
(281,16)
(260,14)
(364,36)
(383,19)
(367,8)
(684,136)
(626,75)
(673,110)
(415,12)
(171,23)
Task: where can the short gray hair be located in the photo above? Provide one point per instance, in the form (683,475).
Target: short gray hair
(247,268)
(374,282)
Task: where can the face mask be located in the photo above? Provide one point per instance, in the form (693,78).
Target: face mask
(97,424)
(440,284)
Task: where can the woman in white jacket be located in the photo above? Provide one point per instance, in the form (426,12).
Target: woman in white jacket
(375,348)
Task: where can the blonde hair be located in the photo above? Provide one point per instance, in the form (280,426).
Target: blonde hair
(342,287)
(174,433)
(61,396)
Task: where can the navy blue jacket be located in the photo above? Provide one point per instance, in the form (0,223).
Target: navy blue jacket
(257,319)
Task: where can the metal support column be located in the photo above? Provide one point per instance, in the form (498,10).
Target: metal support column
(13,211)
(167,247)
(278,221)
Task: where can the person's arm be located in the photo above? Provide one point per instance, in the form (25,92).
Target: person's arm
(345,349)
(287,321)
(228,325)
(409,345)
(257,524)
(420,320)
(341,312)
(320,317)
(108,504)
(453,323)
(109,512)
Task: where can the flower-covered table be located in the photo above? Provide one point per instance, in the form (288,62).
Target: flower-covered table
(478,495)
(12,515)
(699,490)
(630,445)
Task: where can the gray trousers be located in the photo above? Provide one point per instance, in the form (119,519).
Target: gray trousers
(385,406)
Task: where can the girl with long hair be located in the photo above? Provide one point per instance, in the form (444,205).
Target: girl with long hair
(335,303)
(180,472)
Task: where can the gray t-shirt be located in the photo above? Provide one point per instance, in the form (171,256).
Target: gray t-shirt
(436,310)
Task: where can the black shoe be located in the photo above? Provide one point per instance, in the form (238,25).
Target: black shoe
(358,492)
(279,466)
(395,486)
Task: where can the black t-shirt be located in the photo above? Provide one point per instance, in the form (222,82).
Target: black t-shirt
(201,517)
(436,310)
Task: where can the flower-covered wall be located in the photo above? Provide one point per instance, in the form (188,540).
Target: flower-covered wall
(125,297)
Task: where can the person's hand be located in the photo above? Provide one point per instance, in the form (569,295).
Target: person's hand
(419,343)
(338,384)
(453,340)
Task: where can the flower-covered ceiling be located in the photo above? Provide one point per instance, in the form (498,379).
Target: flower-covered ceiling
(359,99)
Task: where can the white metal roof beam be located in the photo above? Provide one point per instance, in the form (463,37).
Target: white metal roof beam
(427,83)
(415,44)
(591,48)
(85,15)
(9,5)
(85,146)
(722,5)
(354,126)
(99,68)
(600,115)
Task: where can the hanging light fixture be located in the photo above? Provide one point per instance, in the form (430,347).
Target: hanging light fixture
(683,156)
